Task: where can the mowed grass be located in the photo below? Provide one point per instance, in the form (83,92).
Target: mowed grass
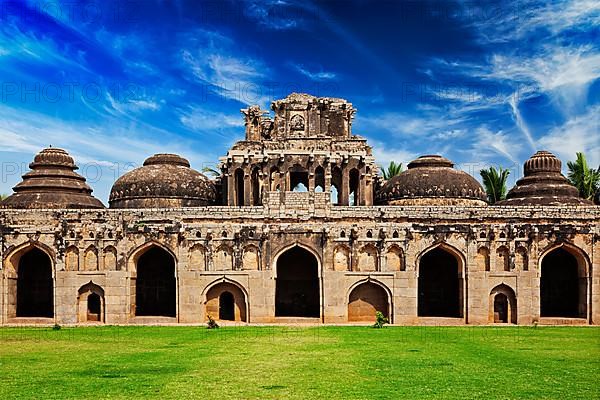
(300,363)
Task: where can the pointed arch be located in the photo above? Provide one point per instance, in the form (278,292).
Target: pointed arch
(197,258)
(341,258)
(137,252)
(223,258)
(367,296)
(90,303)
(90,258)
(110,259)
(483,259)
(502,305)
(368,258)
(502,258)
(394,258)
(72,258)
(251,258)
(214,299)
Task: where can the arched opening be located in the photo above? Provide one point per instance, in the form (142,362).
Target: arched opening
(34,285)
(563,286)
(440,285)
(93,307)
(256,198)
(319,179)
(298,179)
(297,286)
(365,300)
(503,305)
(155,284)
(501,308)
(239,187)
(226,301)
(336,186)
(226,307)
(354,187)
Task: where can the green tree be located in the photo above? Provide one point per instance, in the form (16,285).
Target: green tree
(392,170)
(210,170)
(494,181)
(3,196)
(584,178)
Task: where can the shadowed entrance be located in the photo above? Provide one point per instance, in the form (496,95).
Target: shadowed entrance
(562,290)
(34,285)
(155,284)
(365,300)
(439,285)
(297,287)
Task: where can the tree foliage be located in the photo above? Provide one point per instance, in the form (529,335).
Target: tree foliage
(584,178)
(494,181)
(392,170)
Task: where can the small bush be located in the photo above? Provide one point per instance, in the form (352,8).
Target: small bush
(380,320)
(56,327)
(211,324)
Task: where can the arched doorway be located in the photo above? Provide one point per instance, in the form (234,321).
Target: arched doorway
(297,287)
(91,303)
(239,187)
(155,284)
(439,285)
(226,301)
(34,285)
(365,300)
(503,305)
(563,286)
(226,307)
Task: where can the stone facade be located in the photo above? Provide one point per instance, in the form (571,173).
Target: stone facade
(271,254)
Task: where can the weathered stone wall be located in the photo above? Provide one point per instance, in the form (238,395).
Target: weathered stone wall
(496,247)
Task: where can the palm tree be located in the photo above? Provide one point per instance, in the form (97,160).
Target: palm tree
(494,181)
(3,196)
(584,178)
(392,170)
(213,171)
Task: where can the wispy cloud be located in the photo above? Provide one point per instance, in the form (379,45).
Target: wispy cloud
(315,75)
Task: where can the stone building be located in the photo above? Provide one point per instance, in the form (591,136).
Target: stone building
(298,227)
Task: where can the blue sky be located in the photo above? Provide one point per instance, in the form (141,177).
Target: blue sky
(480,82)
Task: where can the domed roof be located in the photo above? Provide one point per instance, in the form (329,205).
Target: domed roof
(165,181)
(52,183)
(432,180)
(543,184)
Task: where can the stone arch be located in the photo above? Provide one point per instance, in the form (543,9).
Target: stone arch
(90,259)
(564,282)
(440,271)
(297,283)
(137,252)
(256,186)
(368,258)
(502,259)
(483,259)
(153,281)
(502,305)
(197,258)
(366,297)
(214,305)
(341,258)
(522,258)
(239,191)
(29,272)
(298,178)
(90,303)
(284,249)
(251,258)
(354,192)
(72,258)
(223,258)
(394,258)
(110,258)
(319,179)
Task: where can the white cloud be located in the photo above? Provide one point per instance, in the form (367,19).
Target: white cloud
(200,119)
(315,75)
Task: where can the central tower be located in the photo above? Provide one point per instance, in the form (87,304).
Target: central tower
(307,146)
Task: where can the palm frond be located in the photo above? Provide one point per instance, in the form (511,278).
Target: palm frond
(494,181)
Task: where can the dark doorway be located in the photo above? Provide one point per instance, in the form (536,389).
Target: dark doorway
(226,307)
(298,179)
(155,284)
(336,186)
(319,179)
(297,287)
(239,187)
(354,189)
(94,307)
(365,300)
(34,285)
(500,308)
(559,285)
(439,285)
(256,199)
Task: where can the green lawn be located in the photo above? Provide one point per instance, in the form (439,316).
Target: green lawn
(300,363)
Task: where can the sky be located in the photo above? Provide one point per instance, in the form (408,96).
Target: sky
(113,82)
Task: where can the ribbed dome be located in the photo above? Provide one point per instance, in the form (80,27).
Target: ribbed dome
(543,184)
(52,183)
(432,180)
(165,181)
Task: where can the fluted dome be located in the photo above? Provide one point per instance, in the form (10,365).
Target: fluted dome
(543,184)
(432,180)
(165,181)
(52,183)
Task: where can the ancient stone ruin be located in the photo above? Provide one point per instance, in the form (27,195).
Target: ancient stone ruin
(298,227)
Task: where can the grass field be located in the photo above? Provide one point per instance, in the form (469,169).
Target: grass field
(300,363)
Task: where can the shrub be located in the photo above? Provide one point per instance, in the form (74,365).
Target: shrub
(56,327)
(211,324)
(380,320)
